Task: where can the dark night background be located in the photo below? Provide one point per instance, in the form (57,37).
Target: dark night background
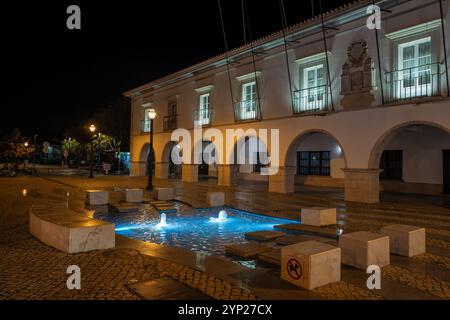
(54,78)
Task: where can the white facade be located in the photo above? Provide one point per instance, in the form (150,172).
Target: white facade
(340,114)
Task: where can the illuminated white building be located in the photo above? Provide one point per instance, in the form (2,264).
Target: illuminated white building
(341,120)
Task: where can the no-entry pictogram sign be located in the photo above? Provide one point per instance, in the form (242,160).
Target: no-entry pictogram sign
(294,269)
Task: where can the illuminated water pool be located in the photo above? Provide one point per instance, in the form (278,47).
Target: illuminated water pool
(191,229)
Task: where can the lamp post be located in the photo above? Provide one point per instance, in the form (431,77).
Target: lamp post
(68,152)
(26,160)
(34,154)
(92,130)
(99,152)
(152,116)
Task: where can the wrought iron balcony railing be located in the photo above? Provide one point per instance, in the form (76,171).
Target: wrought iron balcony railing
(247,110)
(170,123)
(202,117)
(316,99)
(414,82)
(145,126)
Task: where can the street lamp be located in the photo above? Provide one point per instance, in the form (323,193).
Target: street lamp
(26,144)
(92,129)
(99,152)
(152,116)
(34,154)
(68,152)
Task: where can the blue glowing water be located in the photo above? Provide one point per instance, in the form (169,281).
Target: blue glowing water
(191,229)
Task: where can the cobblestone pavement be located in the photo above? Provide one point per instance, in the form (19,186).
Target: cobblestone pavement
(419,281)
(434,259)
(345,291)
(31,270)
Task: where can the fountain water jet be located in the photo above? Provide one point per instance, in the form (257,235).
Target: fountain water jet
(162,223)
(222,217)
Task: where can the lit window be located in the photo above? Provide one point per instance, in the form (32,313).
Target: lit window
(414,63)
(249,101)
(146,124)
(204,114)
(313,95)
(314,83)
(315,163)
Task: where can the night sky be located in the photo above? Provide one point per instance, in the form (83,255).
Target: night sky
(53,78)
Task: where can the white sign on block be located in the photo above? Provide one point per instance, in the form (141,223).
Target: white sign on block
(310,264)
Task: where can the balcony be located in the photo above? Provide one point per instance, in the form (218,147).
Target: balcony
(145,126)
(202,117)
(312,100)
(170,123)
(247,110)
(412,83)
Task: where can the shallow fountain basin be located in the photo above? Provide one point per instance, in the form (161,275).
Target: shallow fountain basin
(193,229)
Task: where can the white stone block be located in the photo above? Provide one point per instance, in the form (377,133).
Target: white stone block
(97,197)
(95,235)
(215,199)
(311,264)
(362,249)
(318,216)
(133,195)
(69,231)
(163,194)
(406,240)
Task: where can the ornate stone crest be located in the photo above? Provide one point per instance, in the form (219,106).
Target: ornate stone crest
(357,77)
(356,53)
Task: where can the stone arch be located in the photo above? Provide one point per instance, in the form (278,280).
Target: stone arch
(203,160)
(144,153)
(166,168)
(291,153)
(233,151)
(167,150)
(247,150)
(383,140)
(143,158)
(204,144)
(415,158)
(284,181)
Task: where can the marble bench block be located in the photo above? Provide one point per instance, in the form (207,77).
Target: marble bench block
(97,197)
(70,231)
(95,235)
(362,249)
(406,240)
(311,264)
(318,216)
(163,194)
(215,199)
(133,195)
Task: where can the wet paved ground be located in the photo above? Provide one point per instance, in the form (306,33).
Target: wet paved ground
(31,270)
